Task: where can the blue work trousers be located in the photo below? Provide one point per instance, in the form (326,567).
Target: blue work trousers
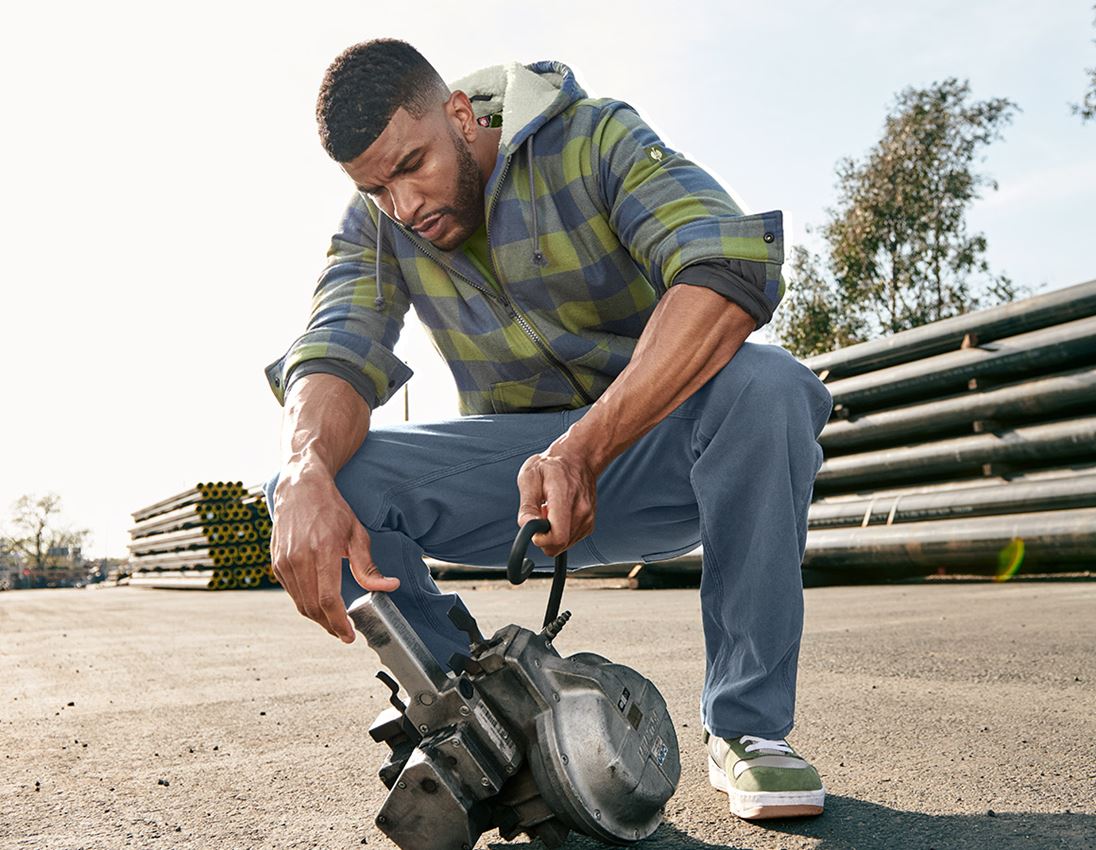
(732,468)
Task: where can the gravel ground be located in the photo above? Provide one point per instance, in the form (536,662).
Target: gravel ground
(940,715)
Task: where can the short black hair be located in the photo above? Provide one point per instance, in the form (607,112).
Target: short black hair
(364,87)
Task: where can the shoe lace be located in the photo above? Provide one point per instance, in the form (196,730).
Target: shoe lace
(763,744)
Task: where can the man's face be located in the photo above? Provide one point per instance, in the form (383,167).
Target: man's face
(422,173)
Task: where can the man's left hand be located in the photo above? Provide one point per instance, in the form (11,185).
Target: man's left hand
(692,334)
(562,487)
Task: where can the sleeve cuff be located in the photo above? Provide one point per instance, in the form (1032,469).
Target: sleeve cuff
(361,384)
(740,281)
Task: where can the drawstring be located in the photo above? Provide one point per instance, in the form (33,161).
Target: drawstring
(538,258)
(378,302)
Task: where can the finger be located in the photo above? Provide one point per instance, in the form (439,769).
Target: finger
(304,569)
(529,512)
(308,574)
(284,575)
(571,509)
(288,564)
(363,569)
(284,569)
(555,540)
(295,568)
(530,493)
(543,538)
(559,510)
(329,597)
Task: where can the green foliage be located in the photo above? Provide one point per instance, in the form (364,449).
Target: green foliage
(1087,107)
(812,318)
(899,251)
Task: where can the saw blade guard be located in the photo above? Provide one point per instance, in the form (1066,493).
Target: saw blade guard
(520,739)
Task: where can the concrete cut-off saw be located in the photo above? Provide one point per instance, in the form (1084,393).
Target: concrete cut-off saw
(515,737)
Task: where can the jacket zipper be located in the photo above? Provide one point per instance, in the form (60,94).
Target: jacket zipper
(522,322)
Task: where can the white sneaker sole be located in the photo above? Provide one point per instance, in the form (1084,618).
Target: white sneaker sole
(758,805)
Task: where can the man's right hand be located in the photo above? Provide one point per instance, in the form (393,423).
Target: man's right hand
(314,529)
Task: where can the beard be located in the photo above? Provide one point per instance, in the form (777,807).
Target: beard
(468,206)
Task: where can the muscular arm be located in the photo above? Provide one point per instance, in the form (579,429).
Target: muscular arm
(693,333)
(325,422)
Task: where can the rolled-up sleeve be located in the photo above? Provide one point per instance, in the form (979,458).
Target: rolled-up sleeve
(678,223)
(740,281)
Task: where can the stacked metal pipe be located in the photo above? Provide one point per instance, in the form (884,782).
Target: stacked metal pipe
(214,536)
(966,445)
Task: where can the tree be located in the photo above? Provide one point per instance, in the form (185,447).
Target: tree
(812,318)
(1087,107)
(899,242)
(37,529)
(899,251)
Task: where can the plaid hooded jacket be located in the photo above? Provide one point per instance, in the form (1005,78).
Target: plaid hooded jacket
(590,218)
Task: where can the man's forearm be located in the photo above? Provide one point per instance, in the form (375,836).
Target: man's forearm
(325,422)
(314,528)
(693,333)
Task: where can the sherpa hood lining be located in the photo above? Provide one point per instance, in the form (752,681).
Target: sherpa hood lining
(527,96)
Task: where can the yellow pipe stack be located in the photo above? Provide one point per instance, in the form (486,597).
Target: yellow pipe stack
(214,536)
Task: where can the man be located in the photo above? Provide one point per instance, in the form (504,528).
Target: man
(591,291)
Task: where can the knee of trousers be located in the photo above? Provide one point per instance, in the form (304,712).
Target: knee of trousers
(764,381)
(363,499)
(366,481)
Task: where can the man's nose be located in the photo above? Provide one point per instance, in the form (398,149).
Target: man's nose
(406,203)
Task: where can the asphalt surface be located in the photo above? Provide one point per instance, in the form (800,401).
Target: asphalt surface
(940,715)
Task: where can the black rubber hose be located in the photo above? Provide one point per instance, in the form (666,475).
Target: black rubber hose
(556,596)
(519,567)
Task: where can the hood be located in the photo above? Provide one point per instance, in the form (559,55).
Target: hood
(526,96)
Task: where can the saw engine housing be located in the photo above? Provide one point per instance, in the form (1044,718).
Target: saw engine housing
(519,739)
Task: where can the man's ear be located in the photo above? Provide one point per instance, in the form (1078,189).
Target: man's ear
(459,108)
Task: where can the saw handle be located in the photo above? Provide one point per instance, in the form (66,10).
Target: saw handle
(519,568)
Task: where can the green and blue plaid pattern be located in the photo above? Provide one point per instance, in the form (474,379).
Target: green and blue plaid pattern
(618,216)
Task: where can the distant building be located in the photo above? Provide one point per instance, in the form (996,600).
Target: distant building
(64,567)
(9,569)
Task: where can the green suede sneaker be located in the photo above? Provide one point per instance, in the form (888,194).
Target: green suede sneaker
(763,778)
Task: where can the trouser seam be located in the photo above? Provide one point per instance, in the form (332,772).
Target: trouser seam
(416,589)
(589,541)
(709,551)
(420,597)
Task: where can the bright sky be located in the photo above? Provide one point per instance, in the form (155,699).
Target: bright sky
(166,205)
